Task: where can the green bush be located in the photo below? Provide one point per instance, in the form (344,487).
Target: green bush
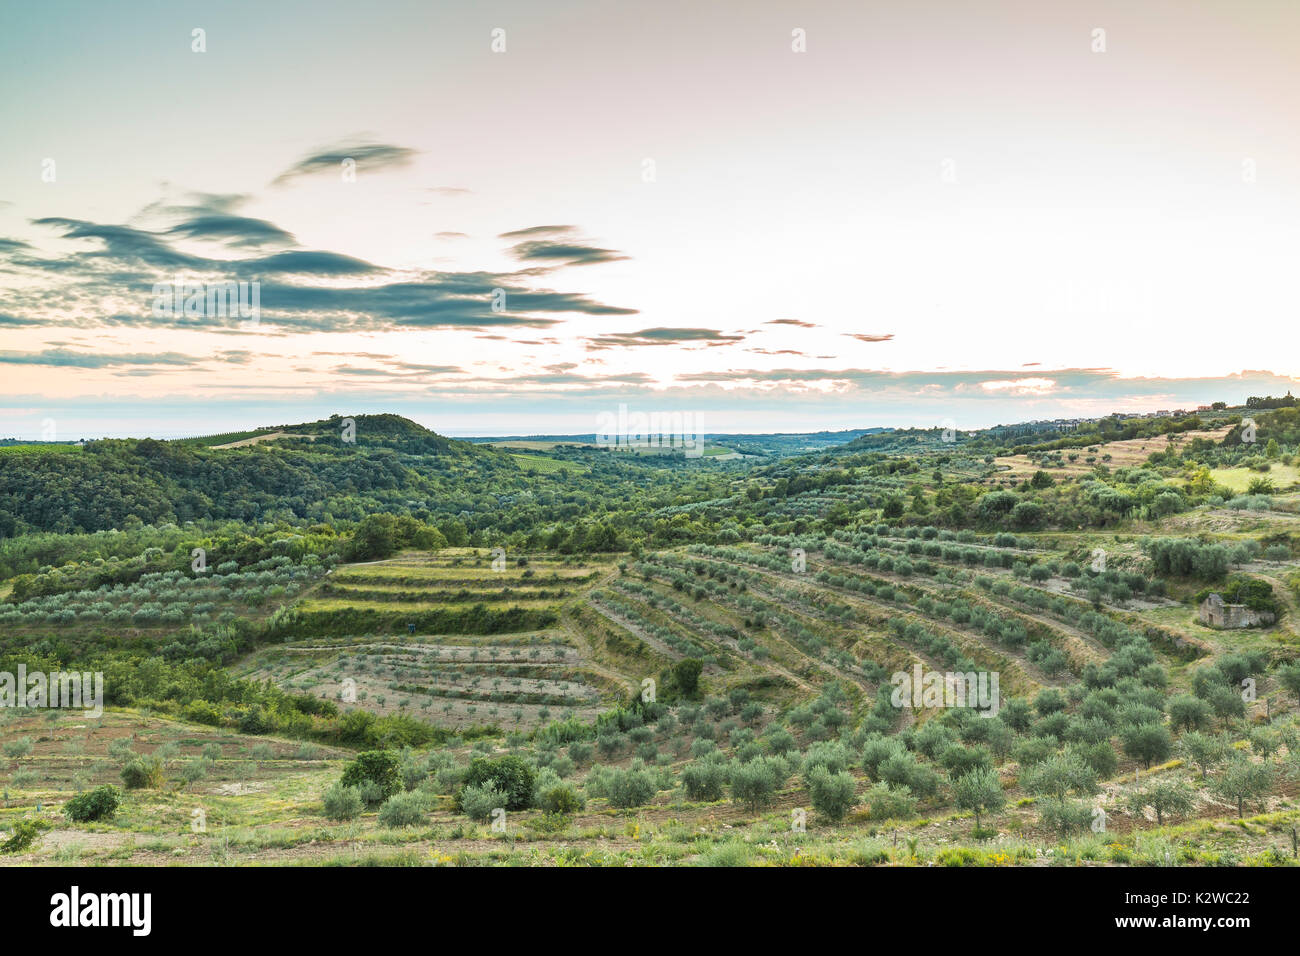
(479,800)
(23,835)
(755,783)
(559,798)
(511,774)
(143,773)
(704,779)
(832,793)
(378,767)
(342,803)
(633,787)
(98,804)
(404,810)
(887,803)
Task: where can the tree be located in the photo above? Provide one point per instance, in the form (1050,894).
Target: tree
(1189,713)
(979,791)
(754,783)
(686,675)
(1148,743)
(381,767)
(1174,798)
(374,537)
(1288,676)
(1060,775)
(1204,750)
(832,793)
(511,774)
(1243,780)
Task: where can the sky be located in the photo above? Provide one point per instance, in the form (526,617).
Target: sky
(512,217)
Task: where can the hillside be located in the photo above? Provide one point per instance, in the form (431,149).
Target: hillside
(680,657)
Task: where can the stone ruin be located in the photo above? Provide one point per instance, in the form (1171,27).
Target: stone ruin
(1217,612)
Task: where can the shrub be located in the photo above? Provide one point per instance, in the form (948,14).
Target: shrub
(704,779)
(20,747)
(559,798)
(404,810)
(886,803)
(1064,816)
(342,803)
(378,767)
(511,775)
(630,788)
(832,793)
(23,835)
(478,801)
(195,770)
(98,804)
(755,783)
(143,773)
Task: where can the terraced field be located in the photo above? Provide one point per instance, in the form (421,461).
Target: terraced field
(457,679)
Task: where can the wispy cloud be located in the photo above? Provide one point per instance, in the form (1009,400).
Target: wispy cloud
(371,157)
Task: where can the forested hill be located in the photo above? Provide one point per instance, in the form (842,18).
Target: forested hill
(310,472)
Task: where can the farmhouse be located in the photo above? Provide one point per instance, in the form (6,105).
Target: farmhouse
(1216,612)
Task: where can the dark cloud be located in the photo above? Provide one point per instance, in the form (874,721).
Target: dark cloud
(536,232)
(564,253)
(123,244)
(888,337)
(238,231)
(301,262)
(129,261)
(369,157)
(558,246)
(795,322)
(662,336)
(65,358)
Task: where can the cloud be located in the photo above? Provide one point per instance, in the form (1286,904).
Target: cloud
(534,232)
(238,231)
(869,338)
(111,284)
(123,244)
(557,245)
(370,157)
(212,216)
(307,263)
(794,322)
(66,358)
(662,336)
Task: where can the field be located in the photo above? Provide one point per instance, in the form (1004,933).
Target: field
(1116,454)
(717,673)
(1238,479)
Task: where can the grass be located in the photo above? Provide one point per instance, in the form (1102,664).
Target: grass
(1239,479)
